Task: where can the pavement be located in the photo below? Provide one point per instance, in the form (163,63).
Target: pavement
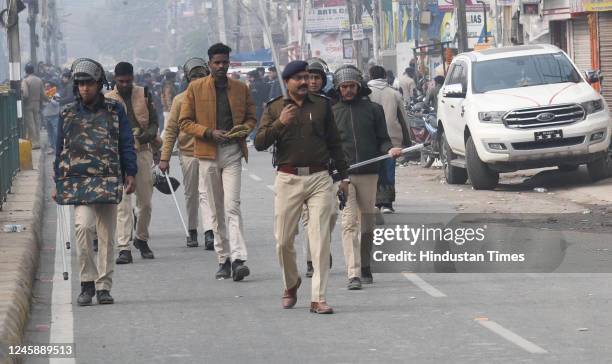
(19,253)
(171,309)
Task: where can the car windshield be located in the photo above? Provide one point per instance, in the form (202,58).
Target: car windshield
(524,71)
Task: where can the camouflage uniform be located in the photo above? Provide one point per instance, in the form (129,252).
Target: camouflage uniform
(94,151)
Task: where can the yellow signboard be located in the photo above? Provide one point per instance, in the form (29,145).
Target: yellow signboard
(598,5)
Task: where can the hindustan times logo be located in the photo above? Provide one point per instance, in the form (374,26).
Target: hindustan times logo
(414,235)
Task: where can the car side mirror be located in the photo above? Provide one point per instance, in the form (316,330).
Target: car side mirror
(454,91)
(593,76)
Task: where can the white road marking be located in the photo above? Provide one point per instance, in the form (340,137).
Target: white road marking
(255,178)
(419,282)
(270,187)
(62,318)
(511,336)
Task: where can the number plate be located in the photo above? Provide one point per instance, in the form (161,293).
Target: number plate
(542,136)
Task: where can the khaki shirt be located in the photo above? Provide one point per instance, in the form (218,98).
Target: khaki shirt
(172,132)
(310,140)
(33,92)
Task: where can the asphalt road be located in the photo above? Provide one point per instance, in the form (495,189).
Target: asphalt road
(172,309)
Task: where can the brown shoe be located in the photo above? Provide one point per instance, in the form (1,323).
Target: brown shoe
(320,308)
(290,295)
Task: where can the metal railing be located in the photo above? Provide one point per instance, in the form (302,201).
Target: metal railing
(9,143)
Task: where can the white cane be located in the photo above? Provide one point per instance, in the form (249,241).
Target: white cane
(176,203)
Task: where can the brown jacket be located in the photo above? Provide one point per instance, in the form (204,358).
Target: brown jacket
(198,116)
(171,132)
(33,92)
(139,104)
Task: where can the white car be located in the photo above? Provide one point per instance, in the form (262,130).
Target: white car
(513,108)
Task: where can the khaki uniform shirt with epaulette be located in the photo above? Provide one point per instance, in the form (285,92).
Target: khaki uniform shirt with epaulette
(310,140)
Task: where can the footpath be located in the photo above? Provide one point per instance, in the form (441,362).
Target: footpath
(19,252)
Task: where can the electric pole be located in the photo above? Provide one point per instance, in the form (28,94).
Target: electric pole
(12,35)
(221,21)
(355,10)
(462,36)
(32,17)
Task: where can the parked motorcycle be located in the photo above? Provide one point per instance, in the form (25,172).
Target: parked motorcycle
(423,126)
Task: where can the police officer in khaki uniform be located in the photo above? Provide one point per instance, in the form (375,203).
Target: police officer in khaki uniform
(306,138)
(143,120)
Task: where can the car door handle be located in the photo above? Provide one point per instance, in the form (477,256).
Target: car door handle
(442,101)
(452,106)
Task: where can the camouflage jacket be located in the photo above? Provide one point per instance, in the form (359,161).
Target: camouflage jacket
(95,149)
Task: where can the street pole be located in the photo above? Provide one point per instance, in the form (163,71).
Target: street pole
(484,10)
(376,32)
(412,34)
(461,26)
(12,36)
(221,21)
(355,10)
(303,51)
(32,17)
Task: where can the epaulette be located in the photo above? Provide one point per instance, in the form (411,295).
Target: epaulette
(322,95)
(112,105)
(274,99)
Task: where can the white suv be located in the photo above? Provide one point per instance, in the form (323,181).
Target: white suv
(506,109)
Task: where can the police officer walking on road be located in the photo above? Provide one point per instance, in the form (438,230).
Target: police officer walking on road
(94,153)
(305,137)
(142,115)
(194,68)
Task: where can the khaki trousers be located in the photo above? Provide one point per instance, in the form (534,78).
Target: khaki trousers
(90,219)
(305,218)
(31,119)
(220,179)
(358,217)
(193,199)
(291,193)
(144,193)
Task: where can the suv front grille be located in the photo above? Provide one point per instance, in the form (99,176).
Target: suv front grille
(548,144)
(544,116)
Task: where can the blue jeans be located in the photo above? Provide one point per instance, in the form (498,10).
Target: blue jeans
(52,125)
(385,194)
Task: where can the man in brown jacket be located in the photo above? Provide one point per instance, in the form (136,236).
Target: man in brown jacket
(219,112)
(194,68)
(33,94)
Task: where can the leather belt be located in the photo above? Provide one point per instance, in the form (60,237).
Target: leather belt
(302,171)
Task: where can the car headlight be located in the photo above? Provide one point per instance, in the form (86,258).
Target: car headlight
(494,117)
(591,107)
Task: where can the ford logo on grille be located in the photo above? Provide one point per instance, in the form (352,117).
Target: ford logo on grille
(546,116)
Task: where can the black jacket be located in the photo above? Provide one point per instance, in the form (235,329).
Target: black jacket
(363,131)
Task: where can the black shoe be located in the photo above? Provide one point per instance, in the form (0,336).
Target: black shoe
(366,275)
(309,269)
(192,240)
(354,284)
(145,251)
(225,270)
(239,270)
(104,298)
(125,257)
(88,290)
(209,240)
(95,245)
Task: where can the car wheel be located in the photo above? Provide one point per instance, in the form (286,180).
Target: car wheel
(600,168)
(454,175)
(481,176)
(568,167)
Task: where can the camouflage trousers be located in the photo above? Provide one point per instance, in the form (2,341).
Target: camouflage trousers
(89,220)
(144,194)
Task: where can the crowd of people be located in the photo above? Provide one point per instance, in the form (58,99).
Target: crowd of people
(107,139)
